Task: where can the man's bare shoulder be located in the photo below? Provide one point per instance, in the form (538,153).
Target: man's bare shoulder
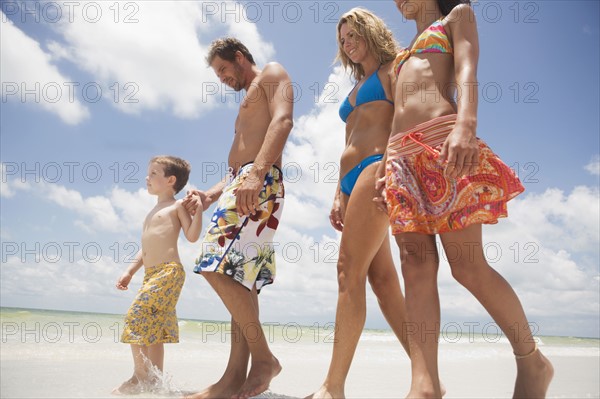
(273,71)
(275,79)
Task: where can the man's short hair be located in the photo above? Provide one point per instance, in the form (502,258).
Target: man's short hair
(226,48)
(173,166)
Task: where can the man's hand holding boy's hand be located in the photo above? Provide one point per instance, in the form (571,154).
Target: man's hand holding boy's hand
(195,200)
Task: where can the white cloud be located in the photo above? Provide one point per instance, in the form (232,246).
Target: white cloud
(29,76)
(118,211)
(594,165)
(297,209)
(559,220)
(98,211)
(10,186)
(157,58)
(54,279)
(132,207)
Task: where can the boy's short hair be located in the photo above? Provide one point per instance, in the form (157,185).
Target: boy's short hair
(173,166)
(226,48)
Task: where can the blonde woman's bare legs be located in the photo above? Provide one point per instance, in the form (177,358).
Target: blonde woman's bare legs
(385,283)
(363,244)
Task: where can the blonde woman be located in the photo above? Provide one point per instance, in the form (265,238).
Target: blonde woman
(365,47)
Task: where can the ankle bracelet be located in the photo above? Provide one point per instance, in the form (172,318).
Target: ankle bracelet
(535,348)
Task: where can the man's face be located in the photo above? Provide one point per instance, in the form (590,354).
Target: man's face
(230,73)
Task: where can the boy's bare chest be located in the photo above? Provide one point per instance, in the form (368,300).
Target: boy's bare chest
(159,217)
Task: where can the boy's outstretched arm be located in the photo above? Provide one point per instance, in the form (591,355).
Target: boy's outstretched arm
(125,278)
(191,226)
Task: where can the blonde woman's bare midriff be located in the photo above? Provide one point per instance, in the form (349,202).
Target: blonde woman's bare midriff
(367,133)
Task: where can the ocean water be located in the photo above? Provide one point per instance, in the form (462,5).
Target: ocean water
(57,354)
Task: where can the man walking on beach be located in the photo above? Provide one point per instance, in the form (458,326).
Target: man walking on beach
(238,257)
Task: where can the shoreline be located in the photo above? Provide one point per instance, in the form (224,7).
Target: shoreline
(315,328)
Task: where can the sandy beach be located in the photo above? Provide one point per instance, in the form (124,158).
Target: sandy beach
(70,355)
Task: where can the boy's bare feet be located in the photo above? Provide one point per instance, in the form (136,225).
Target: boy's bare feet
(130,387)
(259,378)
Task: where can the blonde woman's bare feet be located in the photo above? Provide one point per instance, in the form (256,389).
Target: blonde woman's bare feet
(326,393)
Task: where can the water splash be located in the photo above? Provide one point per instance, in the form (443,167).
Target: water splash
(159,383)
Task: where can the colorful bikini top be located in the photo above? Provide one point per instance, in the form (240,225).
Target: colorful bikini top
(371,90)
(432,40)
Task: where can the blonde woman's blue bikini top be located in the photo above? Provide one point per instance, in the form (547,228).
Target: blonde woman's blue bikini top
(371,90)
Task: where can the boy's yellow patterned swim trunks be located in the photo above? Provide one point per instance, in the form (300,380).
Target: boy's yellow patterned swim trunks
(152,319)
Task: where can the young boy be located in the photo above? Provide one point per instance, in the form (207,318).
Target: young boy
(151,320)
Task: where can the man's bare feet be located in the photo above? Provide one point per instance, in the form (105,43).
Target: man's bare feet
(130,387)
(534,374)
(228,385)
(259,378)
(326,393)
(219,390)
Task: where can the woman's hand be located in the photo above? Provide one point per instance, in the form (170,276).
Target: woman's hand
(379,199)
(336,217)
(461,151)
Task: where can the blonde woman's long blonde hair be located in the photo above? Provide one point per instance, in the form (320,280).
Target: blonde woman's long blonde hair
(379,38)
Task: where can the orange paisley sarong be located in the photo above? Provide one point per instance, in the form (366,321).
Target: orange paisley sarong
(421,199)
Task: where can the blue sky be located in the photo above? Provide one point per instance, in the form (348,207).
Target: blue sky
(92,90)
